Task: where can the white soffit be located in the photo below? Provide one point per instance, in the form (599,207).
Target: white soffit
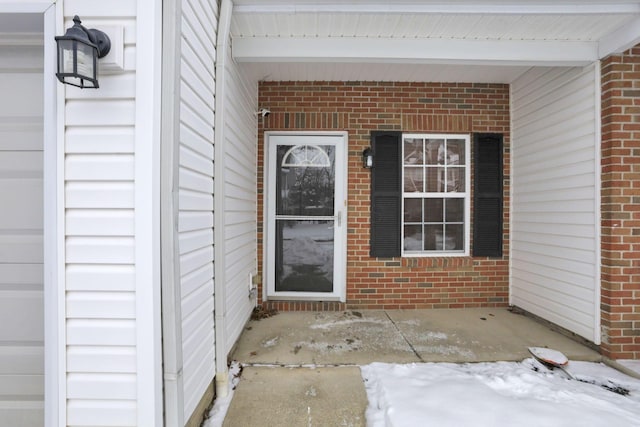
(453,35)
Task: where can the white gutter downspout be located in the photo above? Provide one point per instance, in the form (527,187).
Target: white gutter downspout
(222,52)
(597,339)
(172,375)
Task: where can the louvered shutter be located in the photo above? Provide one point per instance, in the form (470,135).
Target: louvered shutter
(386,194)
(487,199)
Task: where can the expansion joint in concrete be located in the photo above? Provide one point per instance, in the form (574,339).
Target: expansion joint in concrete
(404,338)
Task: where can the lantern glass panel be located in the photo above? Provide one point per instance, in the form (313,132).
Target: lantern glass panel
(65,56)
(86,61)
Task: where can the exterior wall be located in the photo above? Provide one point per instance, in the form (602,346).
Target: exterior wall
(195,223)
(21,231)
(112,342)
(555,184)
(236,161)
(620,205)
(362,107)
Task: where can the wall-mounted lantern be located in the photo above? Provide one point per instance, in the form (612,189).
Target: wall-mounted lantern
(78,53)
(367,158)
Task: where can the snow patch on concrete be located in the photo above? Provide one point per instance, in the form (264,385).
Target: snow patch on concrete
(271,342)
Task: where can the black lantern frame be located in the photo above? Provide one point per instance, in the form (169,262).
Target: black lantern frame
(78,53)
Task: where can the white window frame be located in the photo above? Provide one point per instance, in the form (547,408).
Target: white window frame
(440,195)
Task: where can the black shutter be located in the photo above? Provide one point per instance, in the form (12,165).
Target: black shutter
(487,199)
(386,194)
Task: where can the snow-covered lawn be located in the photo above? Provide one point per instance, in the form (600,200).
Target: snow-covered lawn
(498,394)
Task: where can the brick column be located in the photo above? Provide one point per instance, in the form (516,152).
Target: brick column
(620,302)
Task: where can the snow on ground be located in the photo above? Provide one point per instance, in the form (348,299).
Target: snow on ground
(216,415)
(497,394)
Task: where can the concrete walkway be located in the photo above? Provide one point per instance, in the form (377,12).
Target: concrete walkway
(301,369)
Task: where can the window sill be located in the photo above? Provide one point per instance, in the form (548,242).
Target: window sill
(437,261)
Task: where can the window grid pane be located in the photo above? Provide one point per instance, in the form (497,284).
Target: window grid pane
(435,198)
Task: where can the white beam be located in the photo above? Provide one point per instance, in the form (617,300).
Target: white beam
(462,7)
(621,39)
(413,51)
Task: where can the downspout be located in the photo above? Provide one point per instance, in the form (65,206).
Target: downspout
(222,52)
(512,150)
(597,339)
(172,375)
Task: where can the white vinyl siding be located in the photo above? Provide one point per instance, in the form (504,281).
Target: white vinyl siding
(101,386)
(240,209)
(195,223)
(555,196)
(21,234)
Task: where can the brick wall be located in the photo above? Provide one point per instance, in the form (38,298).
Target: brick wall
(359,108)
(621,205)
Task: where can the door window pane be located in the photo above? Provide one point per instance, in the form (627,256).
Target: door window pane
(304,256)
(305,181)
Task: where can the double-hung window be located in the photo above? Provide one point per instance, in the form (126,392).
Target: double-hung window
(435,194)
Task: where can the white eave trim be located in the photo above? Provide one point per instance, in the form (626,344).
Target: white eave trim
(514,8)
(620,40)
(414,51)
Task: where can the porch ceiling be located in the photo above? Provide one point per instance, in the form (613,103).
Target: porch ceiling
(459,40)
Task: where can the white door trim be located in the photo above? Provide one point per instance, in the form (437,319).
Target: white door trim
(340,243)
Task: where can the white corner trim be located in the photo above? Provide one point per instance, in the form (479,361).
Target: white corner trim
(147,213)
(169,193)
(222,51)
(54,248)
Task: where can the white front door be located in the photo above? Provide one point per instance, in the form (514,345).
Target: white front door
(305,216)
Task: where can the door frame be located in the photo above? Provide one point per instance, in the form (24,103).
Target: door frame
(340,244)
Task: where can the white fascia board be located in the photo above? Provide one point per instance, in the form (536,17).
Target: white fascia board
(501,8)
(620,40)
(414,51)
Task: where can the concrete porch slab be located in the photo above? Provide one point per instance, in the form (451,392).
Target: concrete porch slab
(481,335)
(311,378)
(288,397)
(399,336)
(323,338)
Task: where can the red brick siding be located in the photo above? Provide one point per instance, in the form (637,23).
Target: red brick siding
(359,108)
(620,308)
